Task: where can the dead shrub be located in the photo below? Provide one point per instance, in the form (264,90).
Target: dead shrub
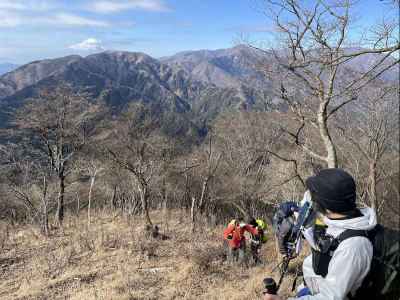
(57,261)
(4,237)
(148,248)
(145,244)
(86,242)
(205,258)
(110,241)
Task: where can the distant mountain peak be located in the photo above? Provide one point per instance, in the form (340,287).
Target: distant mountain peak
(231,67)
(131,57)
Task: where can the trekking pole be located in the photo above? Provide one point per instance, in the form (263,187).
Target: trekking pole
(269,283)
(279,265)
(285,267)
(305,214)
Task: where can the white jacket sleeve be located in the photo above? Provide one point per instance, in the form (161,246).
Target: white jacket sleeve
(348,267)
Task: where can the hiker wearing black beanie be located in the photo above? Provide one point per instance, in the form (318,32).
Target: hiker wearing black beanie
(335,274)
(334,190)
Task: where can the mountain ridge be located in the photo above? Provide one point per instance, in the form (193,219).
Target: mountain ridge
(119,78)
(192,85)
(6,67)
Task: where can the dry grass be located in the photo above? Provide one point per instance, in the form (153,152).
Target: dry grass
(115,259)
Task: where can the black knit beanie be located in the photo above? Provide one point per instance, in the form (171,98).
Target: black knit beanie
(333,189)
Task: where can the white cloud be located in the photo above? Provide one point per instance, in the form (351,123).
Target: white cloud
(9,21)
(15,13)
(12,5)
(61,19)
(74,20)
(25,5)
(91,44)
(114,6)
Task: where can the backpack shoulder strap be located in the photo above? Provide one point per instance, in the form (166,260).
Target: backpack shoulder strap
(348,233)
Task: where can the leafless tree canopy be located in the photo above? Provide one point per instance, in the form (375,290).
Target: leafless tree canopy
(54,128)
(315,47)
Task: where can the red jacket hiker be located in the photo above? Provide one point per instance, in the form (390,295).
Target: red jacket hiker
(234,233)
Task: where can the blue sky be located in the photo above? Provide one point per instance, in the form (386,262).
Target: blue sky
(37,29)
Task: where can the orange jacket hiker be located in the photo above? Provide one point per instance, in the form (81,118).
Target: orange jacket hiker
(234,233)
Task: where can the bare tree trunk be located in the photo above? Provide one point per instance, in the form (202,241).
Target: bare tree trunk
(193,214)
(144,199)
(331,157)
(92,180)
(45,224)
(78,204)
(203,195)
(373,199)
(165,212)
(186,197)
(163,194)
(114,198)
(60,202)
(45,220)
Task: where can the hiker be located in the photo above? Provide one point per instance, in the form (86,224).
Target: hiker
(335,272)
(282,223)
(257,240)
(236,241)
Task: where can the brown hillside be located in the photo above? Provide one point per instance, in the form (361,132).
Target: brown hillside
(115,260)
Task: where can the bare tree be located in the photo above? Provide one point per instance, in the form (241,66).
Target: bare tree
(56,124)
(90,167)
(206,161)
(251,175)
(313,74)
(137,148)
(372,132)
(29,184)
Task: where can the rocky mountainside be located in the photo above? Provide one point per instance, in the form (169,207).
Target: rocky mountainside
(119,78)
(32,73)
(191,87)
(242,65)
(7,67)
(233,67)
(116,79)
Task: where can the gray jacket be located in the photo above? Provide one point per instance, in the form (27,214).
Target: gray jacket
(283,229)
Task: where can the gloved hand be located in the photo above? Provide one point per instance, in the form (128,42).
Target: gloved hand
(304,292)
(288,208)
